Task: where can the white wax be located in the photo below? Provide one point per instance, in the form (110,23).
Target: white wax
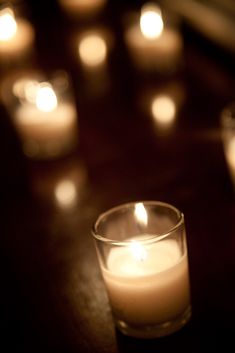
(37,124)
(50,130)
(148,291)
(20,43)
(82,7)
(162,53)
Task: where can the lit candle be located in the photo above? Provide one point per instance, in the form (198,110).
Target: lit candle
(47,126)
(151,44)
(82,8)
(146,275)
(16,35)
(43,112)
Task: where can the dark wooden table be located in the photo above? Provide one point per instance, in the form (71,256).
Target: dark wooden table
(52,295)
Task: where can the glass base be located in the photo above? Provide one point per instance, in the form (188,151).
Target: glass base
(155,331)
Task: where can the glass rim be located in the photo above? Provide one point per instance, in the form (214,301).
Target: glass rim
(151,238)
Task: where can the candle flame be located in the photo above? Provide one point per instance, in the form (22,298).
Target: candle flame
(138,251)
(92,50)
(163,109)
(8,25)
(151,23)
(141,214)
(46,99)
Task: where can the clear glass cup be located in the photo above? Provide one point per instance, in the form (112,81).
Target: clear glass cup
(43,111)
(142,251)
(227,121)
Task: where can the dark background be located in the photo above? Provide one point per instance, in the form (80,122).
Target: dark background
(52,297)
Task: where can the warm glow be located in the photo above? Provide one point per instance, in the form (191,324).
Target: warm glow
(231,152)
(138,251)
(151,23)
(46,99)
(141,214)
(163,109)
(31,90)
(25,88)
(92,50)
(66,193)
(8,25)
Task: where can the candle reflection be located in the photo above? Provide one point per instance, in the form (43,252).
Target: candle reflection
(66,193)
(60,184)
(92,49)
(163,109)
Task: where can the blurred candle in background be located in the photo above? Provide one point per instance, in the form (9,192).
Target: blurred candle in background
(153,45)
(227,121)
(163,109)
(16,36)
(60,184)
(82,8)
(43,113)
(93,48)
(162,102)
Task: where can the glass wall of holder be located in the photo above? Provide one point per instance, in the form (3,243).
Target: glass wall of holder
(142,252)
(43,112)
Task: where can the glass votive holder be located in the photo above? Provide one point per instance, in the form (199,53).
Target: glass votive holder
(142,252)
(227,121)
(43,112)
(153,43)
(16,36)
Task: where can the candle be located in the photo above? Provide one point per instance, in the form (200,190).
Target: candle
(146,274)
(82,8)
(45,125)
(152,45)
(16,36)
(43,112)
(149,274)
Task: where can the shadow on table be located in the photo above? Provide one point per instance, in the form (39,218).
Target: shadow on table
(209,336)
